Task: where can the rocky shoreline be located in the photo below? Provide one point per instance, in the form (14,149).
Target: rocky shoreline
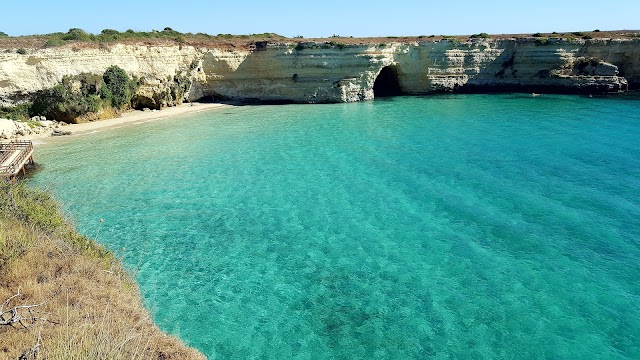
(36,126)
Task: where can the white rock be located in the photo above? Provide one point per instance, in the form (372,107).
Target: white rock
(7,128)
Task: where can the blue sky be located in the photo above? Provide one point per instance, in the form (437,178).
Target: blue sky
(320,18)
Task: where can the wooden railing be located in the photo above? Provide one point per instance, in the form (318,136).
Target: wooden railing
(17,161)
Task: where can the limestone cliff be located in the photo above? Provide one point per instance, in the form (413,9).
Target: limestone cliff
(313,72)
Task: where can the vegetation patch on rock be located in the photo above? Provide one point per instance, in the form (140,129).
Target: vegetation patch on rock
(85,95)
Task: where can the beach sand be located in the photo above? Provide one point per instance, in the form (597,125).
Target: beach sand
(127,119)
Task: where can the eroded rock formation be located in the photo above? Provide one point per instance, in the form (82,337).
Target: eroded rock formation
(328,72)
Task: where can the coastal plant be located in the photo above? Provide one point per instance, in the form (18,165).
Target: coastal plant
(541,41)
(53,43)
(180,39)
(16,112)
(76,34)
(119,87)
(338,45)
(179,87)
(84,94)
(107,35)
(537,35)
(454,40)
(22,51)
(480,35)
(3,34)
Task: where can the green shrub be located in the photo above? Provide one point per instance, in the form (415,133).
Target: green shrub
(76,34)
(63,102)
(596,30)
(22,51)
(84,94)
(454,40)
(3,34)
(537,35)
(33,207)
(339,45)
(18,112)
(481,35)
(578,33)
(179,87)
(542,41)
(118,86)
(53,43)
(110,32)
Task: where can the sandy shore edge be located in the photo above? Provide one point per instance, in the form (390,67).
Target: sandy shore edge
(130,118)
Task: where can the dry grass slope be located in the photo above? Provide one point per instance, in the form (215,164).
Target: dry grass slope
(90,308)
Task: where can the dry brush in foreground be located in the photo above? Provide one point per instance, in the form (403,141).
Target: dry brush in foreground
(63,296)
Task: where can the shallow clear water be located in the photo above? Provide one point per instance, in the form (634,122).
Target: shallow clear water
(461,226)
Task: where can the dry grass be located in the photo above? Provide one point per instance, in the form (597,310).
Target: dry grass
(92,307)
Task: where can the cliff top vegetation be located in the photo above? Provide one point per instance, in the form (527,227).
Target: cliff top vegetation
(63,296)
(79,38)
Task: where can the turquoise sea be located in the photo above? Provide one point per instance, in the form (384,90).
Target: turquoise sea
(445,227)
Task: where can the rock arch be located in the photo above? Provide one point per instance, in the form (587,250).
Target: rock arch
(386,83)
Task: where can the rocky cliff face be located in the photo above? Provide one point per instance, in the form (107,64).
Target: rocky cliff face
(329,72)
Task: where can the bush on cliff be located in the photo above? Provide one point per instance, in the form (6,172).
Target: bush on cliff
(480,36)
(17,112)
(77,34)
(73,97)
(119,87)
(78,96)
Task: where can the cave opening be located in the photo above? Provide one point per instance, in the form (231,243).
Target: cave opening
(387,83)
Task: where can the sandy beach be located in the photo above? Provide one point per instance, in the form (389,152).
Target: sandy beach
(127,119)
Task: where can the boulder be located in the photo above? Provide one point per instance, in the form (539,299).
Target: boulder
(605,69)
(58,132)
(7,128)
(39,118)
